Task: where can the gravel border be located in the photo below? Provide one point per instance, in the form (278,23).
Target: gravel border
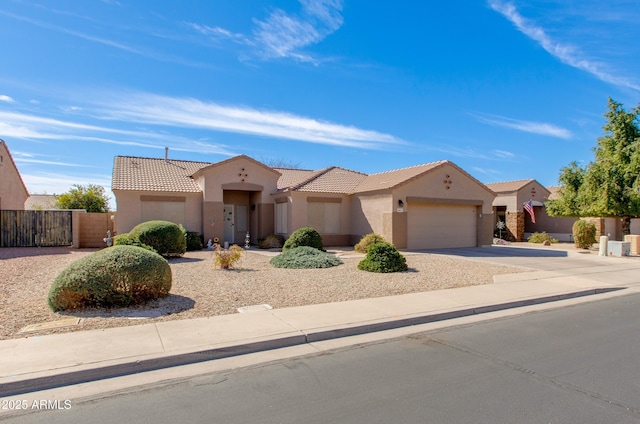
(199,290)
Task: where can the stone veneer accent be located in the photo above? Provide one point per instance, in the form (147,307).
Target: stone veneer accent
(515,226)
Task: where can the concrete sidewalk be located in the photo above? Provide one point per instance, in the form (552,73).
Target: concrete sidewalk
(44,362)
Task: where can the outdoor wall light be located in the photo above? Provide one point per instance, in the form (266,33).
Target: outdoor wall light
(400,203)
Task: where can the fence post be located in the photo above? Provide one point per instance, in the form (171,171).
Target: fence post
(75,227)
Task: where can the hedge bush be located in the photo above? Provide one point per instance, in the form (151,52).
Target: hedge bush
(305,257)
(541,238)
(383,257)
(194,241)
(116,276)
(167,238)
(363,245)
(305,236)
(584,234)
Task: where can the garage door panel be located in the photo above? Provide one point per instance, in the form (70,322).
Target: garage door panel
(441,226)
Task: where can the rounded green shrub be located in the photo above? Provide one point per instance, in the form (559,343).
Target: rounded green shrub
(363,245)
(167,238)
(305,257)
(383,257)
(584,234)
(194,241)
(125,240)
(305,236)
(116,276)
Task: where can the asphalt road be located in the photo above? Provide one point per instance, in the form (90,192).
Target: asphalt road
(578,364)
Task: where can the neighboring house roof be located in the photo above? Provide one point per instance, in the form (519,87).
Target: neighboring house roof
(553,192)
(4,144)
(150,174)
(41,201)
(509,186)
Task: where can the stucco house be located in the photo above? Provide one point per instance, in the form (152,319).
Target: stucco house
(13,192)
(434,205)
(508,207)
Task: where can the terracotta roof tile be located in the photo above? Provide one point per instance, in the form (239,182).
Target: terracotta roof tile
(332,180)
(508,186)
(150,174)
(292,177)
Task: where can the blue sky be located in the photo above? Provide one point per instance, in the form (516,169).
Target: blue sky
(505,89)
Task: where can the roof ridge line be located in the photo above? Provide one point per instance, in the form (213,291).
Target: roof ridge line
(316,175)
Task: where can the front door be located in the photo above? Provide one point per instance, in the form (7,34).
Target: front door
(229,224)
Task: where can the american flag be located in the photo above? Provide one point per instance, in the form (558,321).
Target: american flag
(529,208)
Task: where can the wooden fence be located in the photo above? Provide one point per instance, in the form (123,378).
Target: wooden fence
(35,228)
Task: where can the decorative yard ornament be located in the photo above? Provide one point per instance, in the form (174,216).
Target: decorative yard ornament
(247,241)
(500,225)
(108,239)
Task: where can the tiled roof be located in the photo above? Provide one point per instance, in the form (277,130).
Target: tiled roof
(150,174)
(292,177)
(553,192)
(41,201)
(391,179)
(508,186)
(331,180)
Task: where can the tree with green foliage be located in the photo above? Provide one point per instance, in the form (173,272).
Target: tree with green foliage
(610,185)
(92,198)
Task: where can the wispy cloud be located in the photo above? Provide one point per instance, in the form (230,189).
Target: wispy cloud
(283,34)
(193,113)
(541,128)
(31,127)
(48,162)
(6,99)
(57,183)
(78,34)
(564,52)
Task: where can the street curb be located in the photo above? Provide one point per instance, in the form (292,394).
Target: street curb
(34,384)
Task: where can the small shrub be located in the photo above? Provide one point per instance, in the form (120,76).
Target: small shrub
(541,238)
(116,276)
(227,258)
(305,236)
(167,238)
(383,257)
(368,240)
(584,234)
(305,257)
(272,241)
(194,241)
(125,240)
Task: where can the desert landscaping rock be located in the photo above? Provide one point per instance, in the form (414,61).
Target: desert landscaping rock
(199,290)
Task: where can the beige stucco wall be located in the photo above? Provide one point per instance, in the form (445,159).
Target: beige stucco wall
(240,174)
(299,204)
(12,191)
(367,215)
(434,185)
(129,207)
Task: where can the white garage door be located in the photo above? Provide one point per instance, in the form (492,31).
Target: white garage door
(441,226)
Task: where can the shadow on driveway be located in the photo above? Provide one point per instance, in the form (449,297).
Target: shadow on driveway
(496,252)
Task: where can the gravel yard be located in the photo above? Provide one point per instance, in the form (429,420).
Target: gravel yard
(199,290)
